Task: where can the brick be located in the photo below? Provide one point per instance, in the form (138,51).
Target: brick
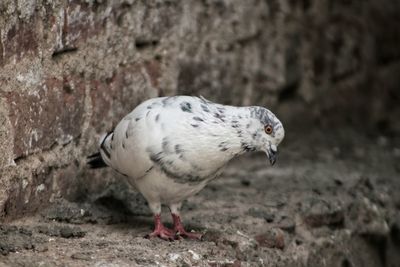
(76,22)
(159,19)
(52,113)
(6,155)
(113,98)
(21,40)
(22,200)
(30,195)
(153,69)
(219,81)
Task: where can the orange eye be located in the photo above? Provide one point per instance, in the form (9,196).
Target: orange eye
(268,129)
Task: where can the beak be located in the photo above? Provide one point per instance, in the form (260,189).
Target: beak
(272,152)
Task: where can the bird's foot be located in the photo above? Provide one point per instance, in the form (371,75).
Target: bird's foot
(161,231)
(189,235)
(180,230)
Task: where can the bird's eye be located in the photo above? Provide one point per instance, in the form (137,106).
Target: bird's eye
(268,129)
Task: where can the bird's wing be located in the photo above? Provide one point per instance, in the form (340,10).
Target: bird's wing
(177,147)
(162,133)
(172,161)
(129,142)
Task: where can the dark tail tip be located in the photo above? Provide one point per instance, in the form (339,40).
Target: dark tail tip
(95,161)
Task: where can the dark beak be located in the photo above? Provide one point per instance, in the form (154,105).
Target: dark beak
(272,152)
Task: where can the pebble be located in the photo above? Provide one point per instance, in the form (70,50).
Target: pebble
(263,214)
(287,224)
(81,256)
(273,238)
(319,212)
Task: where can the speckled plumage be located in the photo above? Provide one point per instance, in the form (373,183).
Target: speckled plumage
(169,148)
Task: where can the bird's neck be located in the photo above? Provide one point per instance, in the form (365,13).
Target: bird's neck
(237,131)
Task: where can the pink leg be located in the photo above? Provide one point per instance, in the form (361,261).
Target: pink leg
(160,230)
(180,230)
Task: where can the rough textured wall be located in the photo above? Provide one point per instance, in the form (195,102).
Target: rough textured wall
(70,69)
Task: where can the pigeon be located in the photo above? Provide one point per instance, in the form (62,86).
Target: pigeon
(169,148)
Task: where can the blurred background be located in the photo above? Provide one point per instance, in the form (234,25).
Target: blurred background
(70,70)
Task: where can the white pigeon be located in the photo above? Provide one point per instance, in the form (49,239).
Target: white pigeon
(169,148)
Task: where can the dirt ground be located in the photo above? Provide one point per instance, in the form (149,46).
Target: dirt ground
(329,201)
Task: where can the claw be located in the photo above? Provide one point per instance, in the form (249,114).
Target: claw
(178,233)
(165,234)
(190,235)
(180,230)
(161,231)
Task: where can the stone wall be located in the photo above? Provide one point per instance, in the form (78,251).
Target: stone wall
(70,69)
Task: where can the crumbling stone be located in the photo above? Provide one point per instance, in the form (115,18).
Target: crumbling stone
(13,238)
(261,213)
(318,212)
(287,224)
(64,231)
(273,238)
(368,219)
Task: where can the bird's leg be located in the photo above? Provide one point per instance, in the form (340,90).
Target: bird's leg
(178,226)
(160,230)
(180,230)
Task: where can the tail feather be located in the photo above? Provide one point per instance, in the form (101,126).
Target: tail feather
(103,139)
(95,161)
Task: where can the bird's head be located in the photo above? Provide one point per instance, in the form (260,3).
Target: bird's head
(267,132)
